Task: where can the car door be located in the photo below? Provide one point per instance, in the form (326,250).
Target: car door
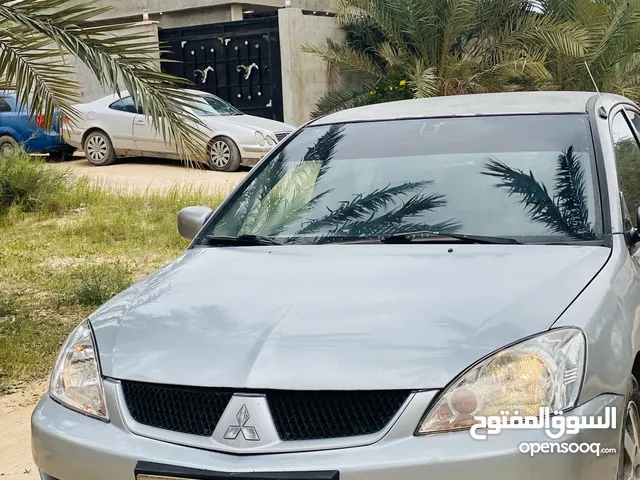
(14,122)
(148,138)
(625,137)
(118,123)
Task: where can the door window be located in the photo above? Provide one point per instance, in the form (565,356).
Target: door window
(627,164)
(125,105)
(4,106)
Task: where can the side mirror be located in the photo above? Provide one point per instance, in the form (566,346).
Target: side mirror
(191,220)
(633,236)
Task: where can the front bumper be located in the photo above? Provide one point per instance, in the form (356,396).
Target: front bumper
(70,446)
(252,154)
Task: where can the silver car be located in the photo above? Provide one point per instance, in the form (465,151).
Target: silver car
(384,278)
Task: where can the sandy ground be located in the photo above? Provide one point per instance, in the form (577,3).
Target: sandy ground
(15,440)
(143,173)
(139,174)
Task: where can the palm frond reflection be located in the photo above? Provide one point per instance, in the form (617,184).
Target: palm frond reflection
(290,201)
(566,212)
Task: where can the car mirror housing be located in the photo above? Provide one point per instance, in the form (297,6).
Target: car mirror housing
(191,220)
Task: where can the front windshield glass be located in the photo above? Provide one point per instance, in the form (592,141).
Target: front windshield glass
(528,177)
(210,106)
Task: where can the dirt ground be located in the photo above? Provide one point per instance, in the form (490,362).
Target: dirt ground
(15,440)
(139,174)
(143,173)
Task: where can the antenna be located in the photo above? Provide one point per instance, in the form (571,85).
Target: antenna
(601,111)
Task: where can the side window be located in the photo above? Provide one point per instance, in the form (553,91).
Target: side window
(628,165)
(4,106)
(124,105)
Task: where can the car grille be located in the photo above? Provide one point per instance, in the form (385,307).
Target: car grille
(297,415)
(281,136)
(180,409)
(316,415)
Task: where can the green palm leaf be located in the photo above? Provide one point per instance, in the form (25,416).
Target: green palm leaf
(60,28)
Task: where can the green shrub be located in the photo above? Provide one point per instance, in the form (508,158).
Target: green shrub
(30,183)
(93,284)
(8,305)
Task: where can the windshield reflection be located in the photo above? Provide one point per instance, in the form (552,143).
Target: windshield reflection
(369,180)
(566,212)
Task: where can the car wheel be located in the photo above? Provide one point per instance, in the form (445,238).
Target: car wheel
(99,149)
(224,155)
(630,455)
(8,145)
(61,155)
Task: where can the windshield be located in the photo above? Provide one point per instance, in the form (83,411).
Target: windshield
(210,106)
(527,177)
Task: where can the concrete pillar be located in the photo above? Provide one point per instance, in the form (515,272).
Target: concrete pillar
(304,76)
(236,12)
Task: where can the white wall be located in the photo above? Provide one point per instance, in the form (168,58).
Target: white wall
(304,76)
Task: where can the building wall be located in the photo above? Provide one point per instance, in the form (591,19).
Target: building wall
(304,76)
(186,18)
(206,11)
(91,89)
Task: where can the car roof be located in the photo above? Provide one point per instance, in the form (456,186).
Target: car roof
(508,103)
(125,93)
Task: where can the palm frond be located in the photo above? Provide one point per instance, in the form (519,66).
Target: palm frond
(114,60)
(361,206)
(570,191)
(344,57)
(36,72)
(380,13)
(341,99)
(566,38)
(424,81)
(534,195)
(397,221)
(536,199)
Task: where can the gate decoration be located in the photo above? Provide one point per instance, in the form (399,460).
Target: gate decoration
(237,61)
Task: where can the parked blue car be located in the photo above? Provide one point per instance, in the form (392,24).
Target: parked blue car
(19,128)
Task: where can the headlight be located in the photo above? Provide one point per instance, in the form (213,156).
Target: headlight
(260,139)
(544,371)
(270,140)
(75,380)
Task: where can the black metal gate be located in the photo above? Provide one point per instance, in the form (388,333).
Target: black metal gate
(237,61)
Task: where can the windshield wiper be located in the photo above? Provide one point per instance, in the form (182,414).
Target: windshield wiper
(463,237)
(241,240)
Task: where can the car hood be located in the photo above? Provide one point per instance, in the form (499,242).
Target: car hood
(260,123)
(335,317)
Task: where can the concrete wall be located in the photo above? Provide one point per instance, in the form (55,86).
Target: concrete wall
(91,89)
(126,9)
(186,18)
(304,76)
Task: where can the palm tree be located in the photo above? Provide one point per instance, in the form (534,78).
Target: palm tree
(37,37)
(566,212)
(438,47)
(612,30)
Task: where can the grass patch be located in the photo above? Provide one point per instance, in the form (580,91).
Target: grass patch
(67,249)
(25,182)
(8,305)
(93,284)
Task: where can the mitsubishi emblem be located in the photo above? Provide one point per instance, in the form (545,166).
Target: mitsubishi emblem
(248,432)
